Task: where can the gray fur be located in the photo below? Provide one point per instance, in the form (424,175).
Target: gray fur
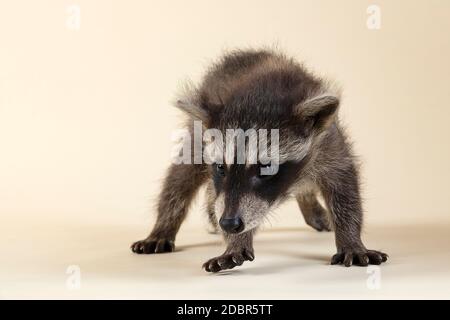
(265,89)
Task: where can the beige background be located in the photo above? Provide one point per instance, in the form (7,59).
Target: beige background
(85,126)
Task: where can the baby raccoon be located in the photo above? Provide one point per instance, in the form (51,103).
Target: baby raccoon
(254,90)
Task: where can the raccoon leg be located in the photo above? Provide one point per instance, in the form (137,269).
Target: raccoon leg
(180,187)
(344,202)
(210,211)
(314,214)
(239,249)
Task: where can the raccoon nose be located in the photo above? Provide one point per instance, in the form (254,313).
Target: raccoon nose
(232,225)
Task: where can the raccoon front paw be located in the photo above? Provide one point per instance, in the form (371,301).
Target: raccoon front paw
(149,246)
(359,257)
(228,260)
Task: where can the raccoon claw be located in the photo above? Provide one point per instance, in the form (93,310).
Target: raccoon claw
(228,260)
(359,258)
(149,246)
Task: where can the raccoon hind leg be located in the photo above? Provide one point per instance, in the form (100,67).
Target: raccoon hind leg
(314,213)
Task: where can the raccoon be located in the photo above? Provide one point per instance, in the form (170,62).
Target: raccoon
(253,89)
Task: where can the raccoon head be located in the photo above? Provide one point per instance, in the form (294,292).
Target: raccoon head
(299,107)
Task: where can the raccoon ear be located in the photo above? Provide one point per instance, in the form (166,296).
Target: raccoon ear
(193,109)
(199,110)
(317,112)
(195,105)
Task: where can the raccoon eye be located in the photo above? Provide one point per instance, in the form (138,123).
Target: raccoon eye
(220,169)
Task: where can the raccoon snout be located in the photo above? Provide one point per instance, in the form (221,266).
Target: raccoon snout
(232,225)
